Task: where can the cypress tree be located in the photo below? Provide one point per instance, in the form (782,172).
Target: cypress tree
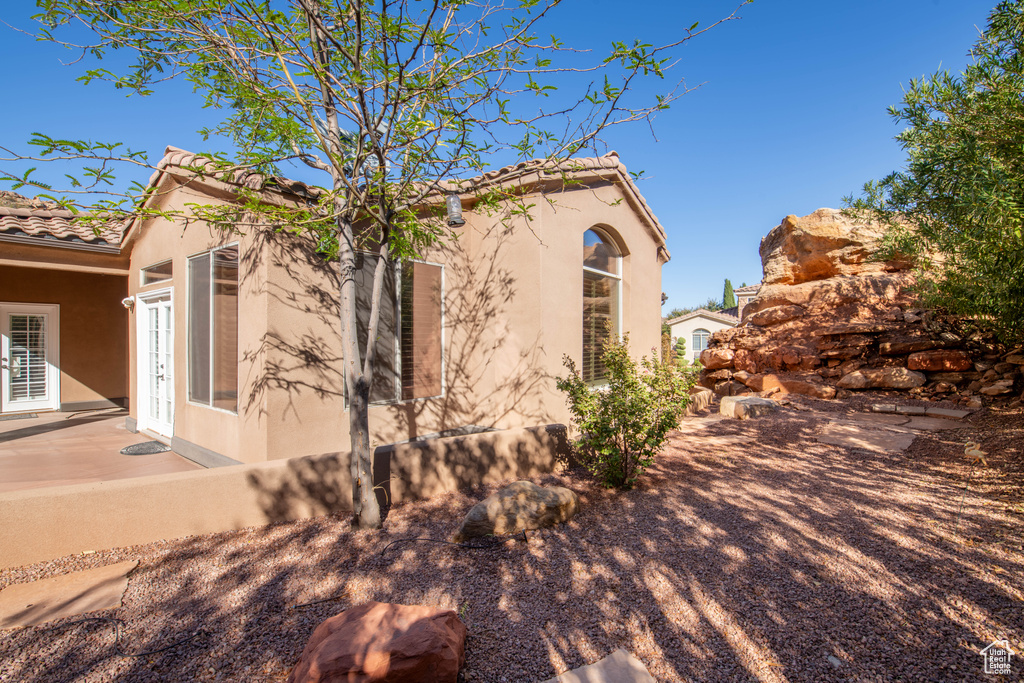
(728,296)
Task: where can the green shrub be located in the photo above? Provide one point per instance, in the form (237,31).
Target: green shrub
(625,422)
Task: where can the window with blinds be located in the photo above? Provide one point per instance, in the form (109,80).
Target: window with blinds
(421,330)
(409,335)
(27,362)
(601,302)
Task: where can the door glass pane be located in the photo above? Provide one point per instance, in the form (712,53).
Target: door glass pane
(28,357)
(167,365)
(153,362)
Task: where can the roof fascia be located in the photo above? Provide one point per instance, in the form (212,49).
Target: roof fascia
(61,244)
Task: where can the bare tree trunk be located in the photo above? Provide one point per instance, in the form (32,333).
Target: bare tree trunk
(357,383)
(364,500)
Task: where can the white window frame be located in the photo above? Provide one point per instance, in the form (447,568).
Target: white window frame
(52,352)
(169,278)
(607,239)
(188,328)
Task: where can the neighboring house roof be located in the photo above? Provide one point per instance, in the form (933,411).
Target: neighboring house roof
(749,289)
(55,227)
(720,316)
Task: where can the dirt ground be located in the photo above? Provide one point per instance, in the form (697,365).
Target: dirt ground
(749,552)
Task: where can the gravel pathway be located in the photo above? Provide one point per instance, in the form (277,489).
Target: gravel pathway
(781,559)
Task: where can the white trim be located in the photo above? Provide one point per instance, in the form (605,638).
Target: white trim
(144,421)
(188,327)
(52,313)
(142,273)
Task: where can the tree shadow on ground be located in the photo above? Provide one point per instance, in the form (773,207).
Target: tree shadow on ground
(754,556)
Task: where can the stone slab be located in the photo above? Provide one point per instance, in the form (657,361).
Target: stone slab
(950,413)
(618,667)
(932,424)
(876,420)
(29,604)
(910,410)
(865,438)
(883,408)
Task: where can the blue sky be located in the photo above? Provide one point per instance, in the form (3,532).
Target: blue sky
(791,115)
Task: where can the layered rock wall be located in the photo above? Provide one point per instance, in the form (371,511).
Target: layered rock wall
(830,319)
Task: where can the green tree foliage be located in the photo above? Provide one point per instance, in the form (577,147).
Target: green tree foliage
(728,296)
(712,304)
(624,424)
(392,103)
(958,207)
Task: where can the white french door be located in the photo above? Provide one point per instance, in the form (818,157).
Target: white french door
(29,359)
(156,364)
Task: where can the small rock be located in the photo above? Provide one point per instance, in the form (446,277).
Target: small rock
(745,407)
(519,506)
(834,661)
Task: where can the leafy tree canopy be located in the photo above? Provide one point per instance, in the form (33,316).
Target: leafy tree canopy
(958,206)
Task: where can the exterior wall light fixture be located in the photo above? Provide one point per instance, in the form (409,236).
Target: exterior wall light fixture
(454,206)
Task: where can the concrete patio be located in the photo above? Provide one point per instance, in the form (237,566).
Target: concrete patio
(56,449)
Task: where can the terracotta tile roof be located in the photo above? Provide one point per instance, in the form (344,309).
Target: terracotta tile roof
(175,157)
(55,224)
(608,162)
(721,316)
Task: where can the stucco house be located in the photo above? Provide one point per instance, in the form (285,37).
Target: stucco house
(697,327)
(63,331)
(744,295)
(226,345)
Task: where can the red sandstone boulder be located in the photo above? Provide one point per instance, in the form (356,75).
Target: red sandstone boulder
(384,643)
(715,359)
(821,245)
(786,385)
(775,315)
(882,378)
(940,360)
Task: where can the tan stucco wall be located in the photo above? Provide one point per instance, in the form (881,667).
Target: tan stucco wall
(93,326)
(512,308)
(43,524)
(239,436)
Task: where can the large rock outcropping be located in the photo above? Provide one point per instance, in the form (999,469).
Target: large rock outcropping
(828,318)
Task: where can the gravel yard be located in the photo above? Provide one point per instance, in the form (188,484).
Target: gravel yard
(749,552)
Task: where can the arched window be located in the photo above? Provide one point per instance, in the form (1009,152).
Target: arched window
(602,291)
(700,342)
